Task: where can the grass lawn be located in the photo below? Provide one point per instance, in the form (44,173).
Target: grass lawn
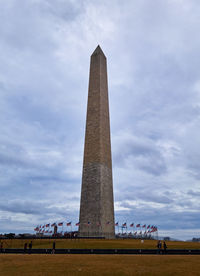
(92,243)
(99,265)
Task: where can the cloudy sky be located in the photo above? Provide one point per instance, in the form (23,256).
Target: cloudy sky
(152,50)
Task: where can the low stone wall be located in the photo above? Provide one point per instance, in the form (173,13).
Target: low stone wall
(103,251)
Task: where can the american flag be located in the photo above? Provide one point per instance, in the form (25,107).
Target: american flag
(132,224)
(60,224)
(78,223)
(138,225)
(117,223)
(148,226)
(154,229)
(54,224)
(144,226)
(69,223)
(47,225)
(124,224)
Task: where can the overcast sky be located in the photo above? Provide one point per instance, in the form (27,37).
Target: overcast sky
(153,57)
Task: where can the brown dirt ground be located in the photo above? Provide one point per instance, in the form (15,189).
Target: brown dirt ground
(99,265)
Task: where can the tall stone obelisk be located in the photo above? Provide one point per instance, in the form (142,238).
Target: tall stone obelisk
(97,207)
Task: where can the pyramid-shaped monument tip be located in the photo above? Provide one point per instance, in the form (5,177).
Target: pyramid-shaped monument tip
(97,51)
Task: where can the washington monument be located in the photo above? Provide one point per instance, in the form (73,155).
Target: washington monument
(97,208)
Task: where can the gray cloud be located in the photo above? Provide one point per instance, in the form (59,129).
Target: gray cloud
(141,152)
(154,87)
(194,193)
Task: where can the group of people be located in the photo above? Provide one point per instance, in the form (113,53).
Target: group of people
(1,247)
(161,246)
(29,246)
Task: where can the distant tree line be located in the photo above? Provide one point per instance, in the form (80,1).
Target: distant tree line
(196,239)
